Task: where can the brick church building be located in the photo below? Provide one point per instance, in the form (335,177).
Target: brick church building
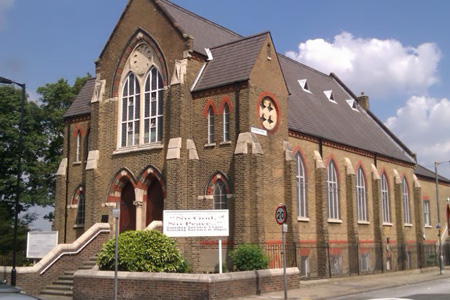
(186,114)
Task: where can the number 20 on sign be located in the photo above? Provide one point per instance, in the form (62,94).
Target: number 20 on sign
(281,214)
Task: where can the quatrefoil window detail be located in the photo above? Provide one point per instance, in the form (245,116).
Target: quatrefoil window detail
(268,113)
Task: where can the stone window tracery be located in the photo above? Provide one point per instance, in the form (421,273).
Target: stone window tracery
(332,191)
(361,200)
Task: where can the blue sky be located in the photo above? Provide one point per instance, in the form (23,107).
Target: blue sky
(397,52)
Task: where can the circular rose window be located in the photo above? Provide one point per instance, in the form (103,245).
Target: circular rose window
(268,113)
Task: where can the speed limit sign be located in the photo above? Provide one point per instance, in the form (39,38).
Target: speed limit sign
(281,214)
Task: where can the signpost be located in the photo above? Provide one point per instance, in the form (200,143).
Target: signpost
(116,214)
(281,218)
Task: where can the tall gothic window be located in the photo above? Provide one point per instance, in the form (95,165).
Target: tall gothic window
(78,153)
(332,191)
(226,123)
(153,95)
(210,125)
(405,198)
(131,114)
(385,204)
(301,187)
(361,200)
(219,195)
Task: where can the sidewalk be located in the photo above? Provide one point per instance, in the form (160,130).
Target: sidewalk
(338,287)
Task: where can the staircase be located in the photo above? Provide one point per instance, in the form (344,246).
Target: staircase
(62,288)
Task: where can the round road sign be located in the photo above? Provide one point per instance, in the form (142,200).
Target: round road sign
(281,214)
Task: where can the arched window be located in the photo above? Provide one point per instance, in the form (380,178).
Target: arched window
(219,195)
(361,201)
(80,209)
(226,123)
(210,125)
(405,200)
(130,111)
(385,205)
(332,191)
(153,96)
(301,187)
(78,150)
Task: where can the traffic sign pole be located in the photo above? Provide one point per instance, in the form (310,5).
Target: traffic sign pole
(281,218)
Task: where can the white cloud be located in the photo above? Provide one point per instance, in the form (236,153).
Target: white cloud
(4,5)
(377,67)
(422,124)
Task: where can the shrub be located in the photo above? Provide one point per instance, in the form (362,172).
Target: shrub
(249,257)
(143,251)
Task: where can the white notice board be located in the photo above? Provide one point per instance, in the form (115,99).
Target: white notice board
(192,223)
(39,243)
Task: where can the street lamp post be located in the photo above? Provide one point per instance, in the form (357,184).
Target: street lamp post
(19,175)
(438,225)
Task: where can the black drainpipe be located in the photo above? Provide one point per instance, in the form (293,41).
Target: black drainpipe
(320,147)
(236,97)
(67,180)
(375,159)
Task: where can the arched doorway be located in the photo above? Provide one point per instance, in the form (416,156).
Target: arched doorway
(155,203)
(127,208)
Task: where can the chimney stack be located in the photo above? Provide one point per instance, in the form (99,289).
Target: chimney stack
(363,101)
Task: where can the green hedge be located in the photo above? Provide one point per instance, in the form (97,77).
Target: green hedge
(143,251)
(249,257)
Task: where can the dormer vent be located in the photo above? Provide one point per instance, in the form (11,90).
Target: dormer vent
(304,85)
(330,95)
(353,104)
(209,53)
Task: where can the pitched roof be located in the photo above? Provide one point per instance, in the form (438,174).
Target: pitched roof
(82,103)
(424,172)
(206,34)
(312,112)
(232,62)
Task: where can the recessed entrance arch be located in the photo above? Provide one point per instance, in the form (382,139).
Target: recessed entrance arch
(127,219)
(154,202)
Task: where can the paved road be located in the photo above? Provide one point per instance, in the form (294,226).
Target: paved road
(438,289)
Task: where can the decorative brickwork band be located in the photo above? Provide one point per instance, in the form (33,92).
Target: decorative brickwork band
(117,184)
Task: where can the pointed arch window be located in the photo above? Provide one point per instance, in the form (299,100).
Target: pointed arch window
(332,191)
(80,209)
(153,95)
(130,111)
(78,150)
(385,204)
(301,187)
(218,190)
(210,125)
(226,123)
(361,200)
(405,200)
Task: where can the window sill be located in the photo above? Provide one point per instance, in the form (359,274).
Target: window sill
(303,219)
(388,224)
(363,223)
(428,226)
(72,206)
(334,221)
(78,226)
(408,225)
(225,143)
(212,145)
(146,147)
(76,163)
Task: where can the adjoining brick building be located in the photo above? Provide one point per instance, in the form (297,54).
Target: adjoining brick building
(186,114)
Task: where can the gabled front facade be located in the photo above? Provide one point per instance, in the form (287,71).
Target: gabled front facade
(185,114)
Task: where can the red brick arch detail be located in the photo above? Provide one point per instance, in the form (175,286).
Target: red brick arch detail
(212,181)
(118,182)
(208,104)
(78,128)
(138,37)
(76,195)
(224,100)
(359,164)
(383,170)
(302,155)
(331,158)
(146,177)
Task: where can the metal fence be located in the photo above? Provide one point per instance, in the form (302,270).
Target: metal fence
(343,259)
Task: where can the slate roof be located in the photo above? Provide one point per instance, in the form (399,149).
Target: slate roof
(82,103)
(232,62)
(314,114)
(206,34)
(424,172)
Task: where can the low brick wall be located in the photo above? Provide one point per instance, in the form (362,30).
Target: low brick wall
(63,257)
(168,286)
